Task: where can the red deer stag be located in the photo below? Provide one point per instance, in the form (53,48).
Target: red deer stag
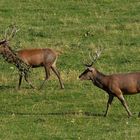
(33,58)
(116,85)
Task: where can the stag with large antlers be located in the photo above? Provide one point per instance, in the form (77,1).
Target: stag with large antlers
(29,58)
(116,85)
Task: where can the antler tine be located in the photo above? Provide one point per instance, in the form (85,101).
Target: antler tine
(86,63)
(14,31)
(95,57)
(5,35)
(97,54)
(11,30)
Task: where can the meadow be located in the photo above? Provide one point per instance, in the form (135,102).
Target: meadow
(74,28)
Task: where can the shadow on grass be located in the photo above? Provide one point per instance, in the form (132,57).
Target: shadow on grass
(5,87)
(51,113)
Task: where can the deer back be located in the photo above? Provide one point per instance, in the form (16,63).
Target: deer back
(126,82)
(38,57)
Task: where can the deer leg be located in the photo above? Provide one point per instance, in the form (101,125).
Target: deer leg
(47,71)
(26,79)
(54,69)
(20,80)
(110,99)
(121,98)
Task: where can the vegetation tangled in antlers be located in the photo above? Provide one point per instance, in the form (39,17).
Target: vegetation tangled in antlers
(10,55)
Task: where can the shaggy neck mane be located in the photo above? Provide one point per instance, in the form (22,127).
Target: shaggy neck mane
(11,57)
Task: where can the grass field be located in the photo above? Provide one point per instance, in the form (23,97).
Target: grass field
(73,28)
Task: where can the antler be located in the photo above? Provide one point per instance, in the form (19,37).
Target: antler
(95,57)
(10,32)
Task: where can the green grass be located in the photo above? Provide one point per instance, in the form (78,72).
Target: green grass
(74,28)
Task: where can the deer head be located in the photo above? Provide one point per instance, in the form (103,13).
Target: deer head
(90,71)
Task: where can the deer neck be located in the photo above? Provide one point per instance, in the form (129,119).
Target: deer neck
(99,79)
(11,57)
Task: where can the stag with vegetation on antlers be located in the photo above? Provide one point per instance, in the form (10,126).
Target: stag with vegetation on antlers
(10,55)
(116,85)
(29,58)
